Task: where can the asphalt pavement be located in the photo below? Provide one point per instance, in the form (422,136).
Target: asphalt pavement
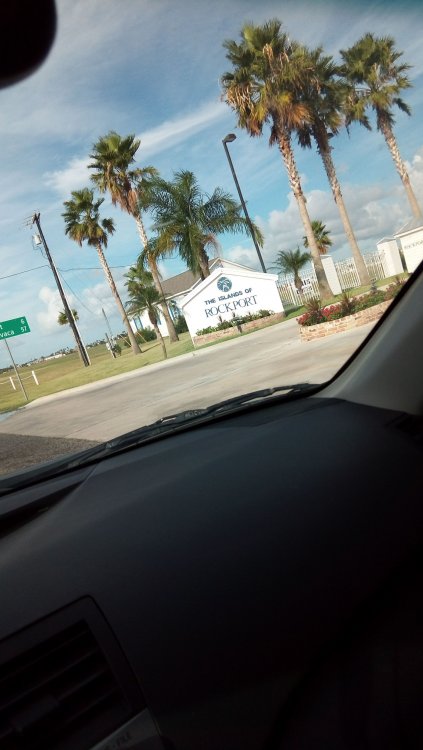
(100,411)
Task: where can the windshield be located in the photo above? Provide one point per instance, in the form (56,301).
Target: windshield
(200,200)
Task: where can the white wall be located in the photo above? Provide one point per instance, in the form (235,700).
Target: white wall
(331,275)
(248,292)
(412,247)
(145,322)
(391,258)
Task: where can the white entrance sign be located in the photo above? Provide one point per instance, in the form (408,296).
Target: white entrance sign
(228,294)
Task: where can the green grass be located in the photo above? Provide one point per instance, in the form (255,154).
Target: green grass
(68,372)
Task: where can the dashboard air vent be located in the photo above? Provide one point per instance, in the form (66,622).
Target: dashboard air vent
(61,693)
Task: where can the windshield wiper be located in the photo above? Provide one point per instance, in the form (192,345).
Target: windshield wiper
(189,417)
(229,404)
(161,427)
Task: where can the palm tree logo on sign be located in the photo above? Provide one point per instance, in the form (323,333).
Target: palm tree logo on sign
(224,284)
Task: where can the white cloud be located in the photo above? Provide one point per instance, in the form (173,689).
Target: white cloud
(180,128)
(374,211)
(74,177)
(47,319)
(415,170)
(246,256)
(76,174)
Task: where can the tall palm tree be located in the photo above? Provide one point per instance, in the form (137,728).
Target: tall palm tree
(129,187)
(376,80)
(322,237)
(324,94)
(63,319)
(188,220)
(83,224)
(143,296)
(292,261)
(265,87)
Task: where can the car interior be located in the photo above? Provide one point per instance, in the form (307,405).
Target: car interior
(249,579)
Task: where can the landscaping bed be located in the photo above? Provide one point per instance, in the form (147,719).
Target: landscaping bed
(347,312)
(371,314)
(251,325)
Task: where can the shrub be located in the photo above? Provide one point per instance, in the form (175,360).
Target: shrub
(313,314)
(394,288)
(141,337)
(180,324)
(148,334)
(348,304)
(370,299)
(240,319)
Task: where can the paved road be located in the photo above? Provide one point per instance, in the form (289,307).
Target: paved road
(100,411)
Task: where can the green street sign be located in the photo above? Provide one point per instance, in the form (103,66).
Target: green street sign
(14,327)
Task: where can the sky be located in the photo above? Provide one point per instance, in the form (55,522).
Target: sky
(152,68)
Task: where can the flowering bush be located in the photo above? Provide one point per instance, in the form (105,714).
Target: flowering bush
(316,314)
(322,315)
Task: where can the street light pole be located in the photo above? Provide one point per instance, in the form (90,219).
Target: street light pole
(228,139)
(80,344)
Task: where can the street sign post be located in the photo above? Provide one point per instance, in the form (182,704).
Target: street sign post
(14,327)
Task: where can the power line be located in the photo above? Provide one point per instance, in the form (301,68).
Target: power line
(92,312)
(90,268)
(62,270)
(19,273)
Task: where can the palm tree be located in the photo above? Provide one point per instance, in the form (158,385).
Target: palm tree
(143,296)
(265,87)
(292,261)
(188,220)
(376,80)
(83,224)
(129,188)
(324,93)
(63,319)
(322,237)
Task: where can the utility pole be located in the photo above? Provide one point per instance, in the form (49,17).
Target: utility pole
(228,139)
(80,344)
(112,338)
(16,372)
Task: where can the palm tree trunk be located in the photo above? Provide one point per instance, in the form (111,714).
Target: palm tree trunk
(173,336)
(159,336)
(203,262)
(134,344)
(285,148)
(298,283)
(399,164)
(337,194)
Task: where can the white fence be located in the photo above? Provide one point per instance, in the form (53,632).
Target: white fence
(376,267)
(11,379)
(290,295)
(375,264)
(347,275)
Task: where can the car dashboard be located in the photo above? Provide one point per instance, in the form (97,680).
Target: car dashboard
(215,589)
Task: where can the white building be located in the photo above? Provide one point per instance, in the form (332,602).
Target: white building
(186,294)
(410,237)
